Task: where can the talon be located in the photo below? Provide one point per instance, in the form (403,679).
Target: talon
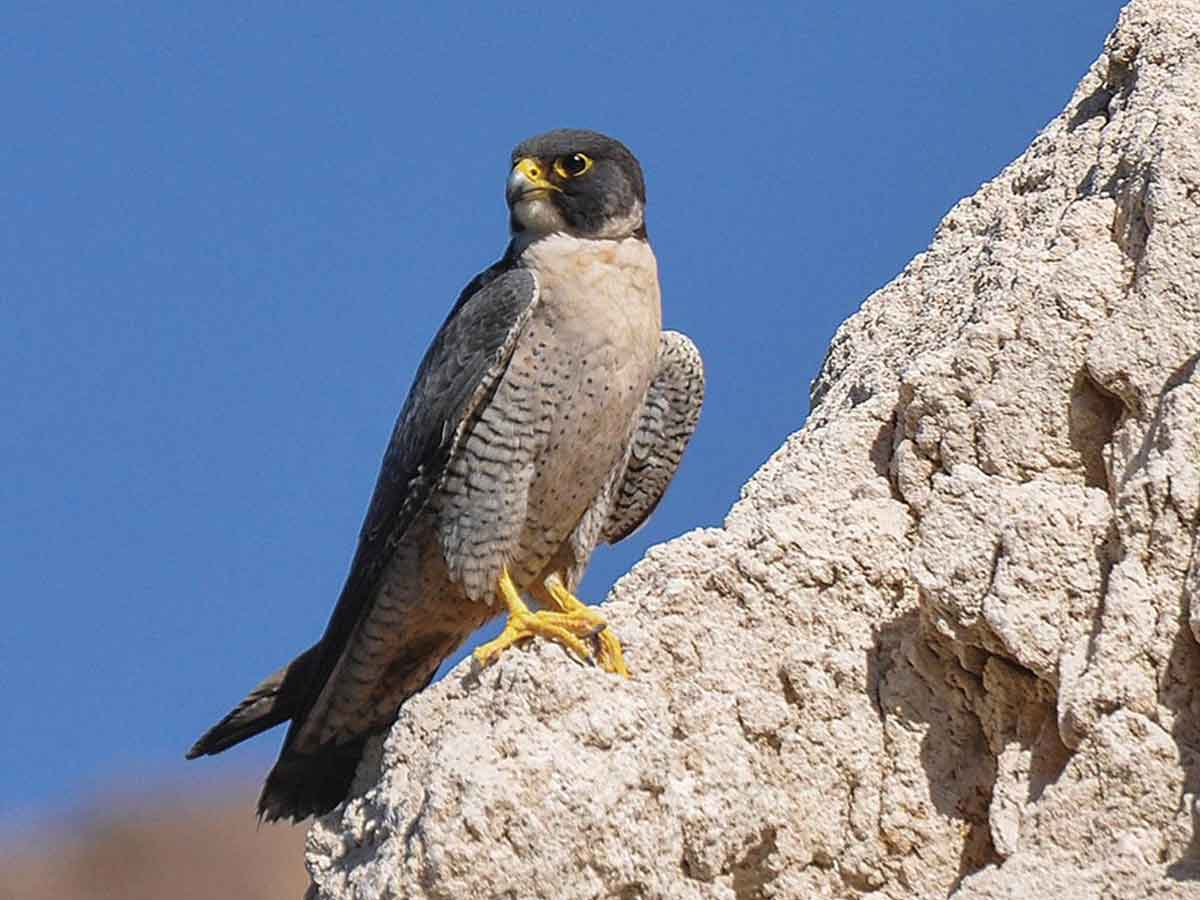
(563,628)
(609,655)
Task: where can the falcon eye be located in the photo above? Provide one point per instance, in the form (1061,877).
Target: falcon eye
(572,166)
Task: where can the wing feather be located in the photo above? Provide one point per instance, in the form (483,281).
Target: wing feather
(669,418)
(459,370)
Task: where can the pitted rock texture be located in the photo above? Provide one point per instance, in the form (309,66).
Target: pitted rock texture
(945,644)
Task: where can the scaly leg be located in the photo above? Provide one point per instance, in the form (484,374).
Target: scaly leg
(564,628)
(611,657)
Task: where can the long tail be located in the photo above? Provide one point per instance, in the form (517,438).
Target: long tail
(312,783)
(341,691)
(276,699)
(299,785)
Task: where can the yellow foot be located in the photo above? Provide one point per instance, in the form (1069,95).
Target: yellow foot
(564,628)
(610,657)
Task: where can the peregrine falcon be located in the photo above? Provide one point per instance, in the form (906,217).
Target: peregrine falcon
(547,417)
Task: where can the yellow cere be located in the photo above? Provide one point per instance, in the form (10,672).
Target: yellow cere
(535,172)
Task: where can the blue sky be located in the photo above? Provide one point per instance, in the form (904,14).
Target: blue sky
(227,238)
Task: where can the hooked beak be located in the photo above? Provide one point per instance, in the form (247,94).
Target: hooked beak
(528,177)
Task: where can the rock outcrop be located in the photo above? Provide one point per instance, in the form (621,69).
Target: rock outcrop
(945,644)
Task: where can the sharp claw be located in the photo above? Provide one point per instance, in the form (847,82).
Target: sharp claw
(570,624)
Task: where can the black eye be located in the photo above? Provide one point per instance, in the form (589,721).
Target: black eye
(572,166)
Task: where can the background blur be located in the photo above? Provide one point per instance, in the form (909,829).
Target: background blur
(226,238)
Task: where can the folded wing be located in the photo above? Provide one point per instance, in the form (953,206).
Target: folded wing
(668,420)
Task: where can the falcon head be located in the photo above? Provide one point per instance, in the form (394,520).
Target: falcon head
(577,182)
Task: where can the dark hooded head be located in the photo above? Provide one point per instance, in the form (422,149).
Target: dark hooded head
(576,182)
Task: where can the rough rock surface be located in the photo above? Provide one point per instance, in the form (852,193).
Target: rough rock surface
(945,644)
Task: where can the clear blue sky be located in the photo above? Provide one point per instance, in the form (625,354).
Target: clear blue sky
(227,236)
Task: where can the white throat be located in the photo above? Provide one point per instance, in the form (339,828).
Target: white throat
(538,218)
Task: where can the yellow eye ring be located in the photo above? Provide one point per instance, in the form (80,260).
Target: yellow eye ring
(572,166)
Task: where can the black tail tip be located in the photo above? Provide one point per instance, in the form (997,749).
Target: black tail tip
(303,785)
(203,746)
(216,739)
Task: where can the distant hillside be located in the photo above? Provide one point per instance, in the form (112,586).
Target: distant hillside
(176,846)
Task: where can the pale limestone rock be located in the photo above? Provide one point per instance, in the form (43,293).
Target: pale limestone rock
(945,644)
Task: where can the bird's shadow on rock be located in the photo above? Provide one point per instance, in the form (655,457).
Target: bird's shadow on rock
(1178,692)
(919,684)
(907,681)
(1179,687)
(1179,680)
